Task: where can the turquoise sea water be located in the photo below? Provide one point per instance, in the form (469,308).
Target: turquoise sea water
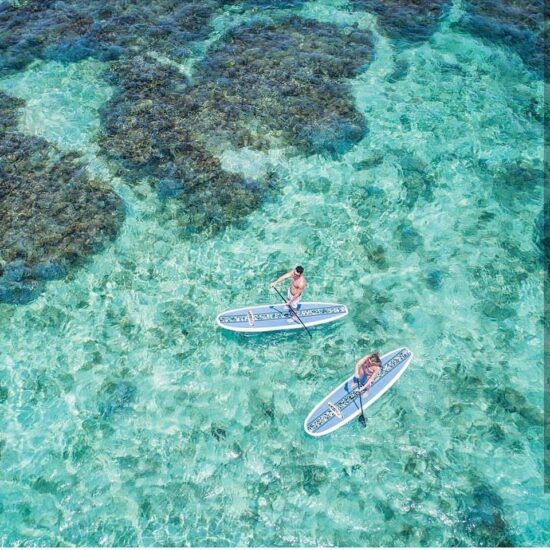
(130,419)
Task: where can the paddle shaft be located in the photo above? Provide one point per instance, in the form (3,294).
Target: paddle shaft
(362,418)
(295,312)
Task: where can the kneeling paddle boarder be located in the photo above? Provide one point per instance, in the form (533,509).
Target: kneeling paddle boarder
(366,370)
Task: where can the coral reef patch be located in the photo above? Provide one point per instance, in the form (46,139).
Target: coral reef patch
(146,128)
(72,31)
(262,84)
(52,213)
(404,21)
(483,517)
(518,25)
(283,81)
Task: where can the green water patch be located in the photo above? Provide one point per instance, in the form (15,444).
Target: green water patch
(61,101)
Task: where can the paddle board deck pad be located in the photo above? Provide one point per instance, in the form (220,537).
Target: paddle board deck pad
(279,317)
(342,404)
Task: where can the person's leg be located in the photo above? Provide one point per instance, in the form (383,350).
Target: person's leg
(293,307)
(356,383)
(289,296)
(351,385)
(293,317)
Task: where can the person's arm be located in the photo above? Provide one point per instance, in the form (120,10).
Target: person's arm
(281,278)
(371,378)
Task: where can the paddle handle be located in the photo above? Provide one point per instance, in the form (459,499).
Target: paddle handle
(295,312)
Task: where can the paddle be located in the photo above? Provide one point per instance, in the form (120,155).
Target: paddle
(362,419)
(295,312)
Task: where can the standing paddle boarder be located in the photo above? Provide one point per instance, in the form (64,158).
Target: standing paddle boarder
(295,290)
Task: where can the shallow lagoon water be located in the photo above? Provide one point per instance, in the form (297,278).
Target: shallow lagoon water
(130,419)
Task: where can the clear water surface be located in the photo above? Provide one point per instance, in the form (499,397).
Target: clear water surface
(130,419)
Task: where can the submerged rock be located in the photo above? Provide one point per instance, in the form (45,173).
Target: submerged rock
(515,183)
(434,279)
(118,397)
(406,21)
(417,180)
(72,31)
(52,213)
(514,402)
(262,84)
(516,24)
(218,433)
(483,519)
(495,281)
(541,236)
(409,238)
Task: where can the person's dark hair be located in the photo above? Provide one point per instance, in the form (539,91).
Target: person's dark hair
(299,269)
(375,358)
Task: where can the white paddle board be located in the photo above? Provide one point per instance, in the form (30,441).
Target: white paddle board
(278,317)
(342,405)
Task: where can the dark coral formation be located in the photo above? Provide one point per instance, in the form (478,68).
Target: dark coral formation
(116,397)
(406,21)
(73,30)
(283,79)
(483,517)
(52,214)
(516,24)
(496,280)
(9,112)
(515,183)
(541,236)
(146,128)
(263,83)
(266,4)
(498,275)
(417,180)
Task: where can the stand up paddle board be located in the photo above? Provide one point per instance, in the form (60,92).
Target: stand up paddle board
(279,317)
(342,404)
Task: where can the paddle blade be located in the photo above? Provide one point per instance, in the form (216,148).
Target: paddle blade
(363,421)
